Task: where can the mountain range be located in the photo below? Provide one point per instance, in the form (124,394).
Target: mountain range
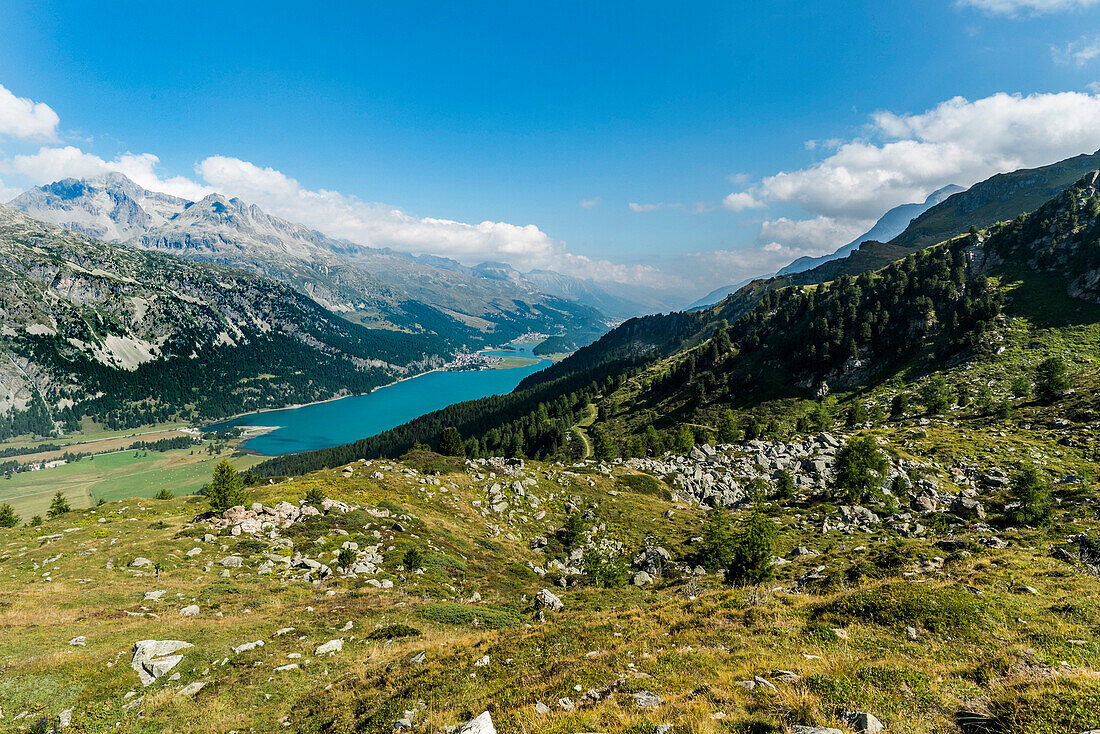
(468,306)
(128,336)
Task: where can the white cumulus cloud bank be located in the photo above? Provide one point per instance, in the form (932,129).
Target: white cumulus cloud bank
(25,119)
(904,157)
(335,214)
(524,246)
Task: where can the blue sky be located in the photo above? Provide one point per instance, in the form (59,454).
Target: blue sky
(558,115)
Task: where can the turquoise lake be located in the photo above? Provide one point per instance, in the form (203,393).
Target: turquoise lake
(322,425)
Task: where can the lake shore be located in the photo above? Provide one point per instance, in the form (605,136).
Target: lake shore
(302,434)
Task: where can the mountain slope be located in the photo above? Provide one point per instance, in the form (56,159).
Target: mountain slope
(377,287)
(889,226)
(128,337)
(923,313)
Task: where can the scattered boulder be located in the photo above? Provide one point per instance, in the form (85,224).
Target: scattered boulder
(330,648)
(248,646)
(191,610)
(154,658)
(967,508)
(80,641)
(863,722)
(642,579)
(191,689)
(232,562)
(141,562)
(546,599)
(647,699)
(482,724)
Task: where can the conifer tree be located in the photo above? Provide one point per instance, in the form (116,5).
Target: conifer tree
(225,488)
(450,442)
(58,506)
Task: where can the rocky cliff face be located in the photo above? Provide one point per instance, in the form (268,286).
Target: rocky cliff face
(81,315)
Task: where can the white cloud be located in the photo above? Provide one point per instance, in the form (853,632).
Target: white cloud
(816,236)
(590,203)
(905,157)
(636,207)
(52,164)
(741,200)
(1076,53)
(24,118)
(1033,7)
(722,267)
(335,214)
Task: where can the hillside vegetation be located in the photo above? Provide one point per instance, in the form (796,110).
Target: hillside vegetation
(410,595)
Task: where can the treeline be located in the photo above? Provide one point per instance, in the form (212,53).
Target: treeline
(165,444)
(927,298)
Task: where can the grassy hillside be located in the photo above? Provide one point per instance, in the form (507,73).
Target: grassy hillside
(969,620)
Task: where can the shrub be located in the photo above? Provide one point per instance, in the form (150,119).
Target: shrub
(784,485)
(164,494)
(35,521)
(314,496)
(58,506)
(429,462)
(1051,379)
(684,441)
(642,484)
(461,614)
(1032,496)
(752,551)
(940,609)
(249,546)
(605,567)
(571,532)
(859,468)
(450,443)
(716,550)
(393,632)
(899,406)
(346,558)
(936,395)
(413,559)
(1020,385)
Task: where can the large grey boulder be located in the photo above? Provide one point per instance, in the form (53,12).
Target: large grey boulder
(154,658)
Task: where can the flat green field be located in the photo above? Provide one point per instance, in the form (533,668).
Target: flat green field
(508,363)
(114,476)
